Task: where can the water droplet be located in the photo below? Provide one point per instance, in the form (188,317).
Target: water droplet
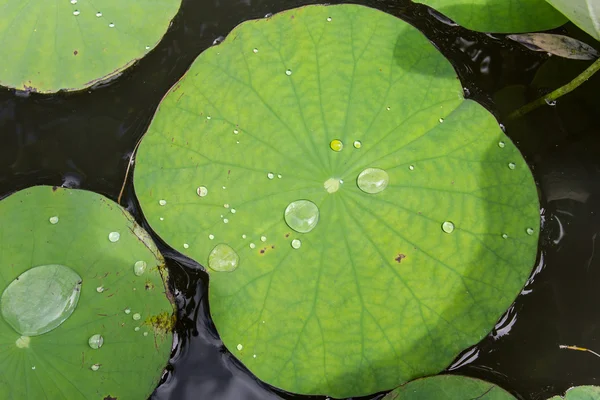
(255,50)
(235,131)
(279,176)
(512,165)
(372,180)
(504,236)
(357,144)
(54,220)
(162,202)
(111,25)
(239,347)
(263,238)
(202,191)
(254,355)
(411,167)
(448,227)
(302,215)
(223,258)
(328,19)
(76,13)
(98,14)
(22,342)
(40,299)
(137,329)
(551,103)
(270,175)
(73,1)
(95,367)
(114,236)
(96,341)
(100,289)
(147,47)
(332,185)
(467,92)
(225,221)
(224,187)
(145,333)
(186,246)
(33,367)
(501,144)
(127,311)
(388,108)
(288,72)
(502,127)
(530,231)
(233,211)
(161,218)
(136,316)
(441,120)
(336,145)
(296,243)
(252,245)
(208,117)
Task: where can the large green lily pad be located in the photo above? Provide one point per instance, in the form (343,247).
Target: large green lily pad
(584,13)
(502,16)
(449,387)
(47,46)
(580,393)
(58,235)
(373,292)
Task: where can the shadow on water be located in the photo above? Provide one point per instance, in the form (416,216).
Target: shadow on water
(85,140)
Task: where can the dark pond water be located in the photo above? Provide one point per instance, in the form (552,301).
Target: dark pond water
(85,139)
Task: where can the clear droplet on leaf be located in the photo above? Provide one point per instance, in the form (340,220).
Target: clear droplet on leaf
(288,72)
(373,180)
(530,231)
(357,144)
(448,227)
(40,299)
(96,341)
(302,215)
(202,191)
(512,165)
(53,220)
(296,243)
(501,144)
(223,258)
(114,236)
(139,267)
(336,145)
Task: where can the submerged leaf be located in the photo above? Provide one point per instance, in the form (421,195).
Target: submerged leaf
(77,290)
(382,222)
(449,387)
(559,45)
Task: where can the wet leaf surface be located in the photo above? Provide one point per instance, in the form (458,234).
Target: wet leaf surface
(449,387)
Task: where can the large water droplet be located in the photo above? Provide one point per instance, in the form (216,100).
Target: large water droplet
(40,299)
(96,341)
(336,145)
(223,258)
(139,268)
(302,215)
(372,180)
(448,227)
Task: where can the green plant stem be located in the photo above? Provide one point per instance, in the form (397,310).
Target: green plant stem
(561,91)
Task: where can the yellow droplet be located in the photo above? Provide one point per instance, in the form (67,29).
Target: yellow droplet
(336,145)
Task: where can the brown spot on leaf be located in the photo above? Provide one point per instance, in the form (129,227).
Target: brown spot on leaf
(399,258)
(149,285)
(262,251)
(75,52)
(109,397)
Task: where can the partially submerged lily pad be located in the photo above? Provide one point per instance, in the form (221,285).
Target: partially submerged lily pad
(449,387)
(72,44)
(98,349)
(395,270)
(580,393)
(501,16)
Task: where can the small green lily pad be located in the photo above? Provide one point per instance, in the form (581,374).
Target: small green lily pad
(501,16)
(57,264)
(449,387)
(72,44)
(580,393)
(374,278)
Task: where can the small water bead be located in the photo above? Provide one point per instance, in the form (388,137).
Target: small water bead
(448,227)
(147,47)
(96,341)
(100,289)
(328,19)
(186,246)
(336,145)
(302,215)
(529,231)
(288,72)
(441,120)
(388,108)
(239,347)
(145,333)
(501,144)
(127,311)
(551,103)
(504,236)
(332,185)
(73,1)
(23,342)
(137,329)
(263,238)
(76,13)
(411,167)
(211,236)
(95,367)
(136,316)
(235,131)
(279,176)
(53,220)
(223,258)
(208,117)
(114,236)
(139,268)
(502,127)
(373,180)
(243,236)
(357,144)
(233,211)
(162,202)
(296,243)
(255,50)
(270,175)
(512,165)
(40,299)
(202,191)
(111,25)
(252,245)
(98,14)
(225,221)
